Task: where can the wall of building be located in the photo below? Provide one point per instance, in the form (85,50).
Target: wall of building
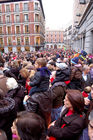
(53,39)
(22,23)
(84,39)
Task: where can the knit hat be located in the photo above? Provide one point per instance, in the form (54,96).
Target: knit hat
(61,65)
(74,60)
(11,83)
(83,53)
(82,58)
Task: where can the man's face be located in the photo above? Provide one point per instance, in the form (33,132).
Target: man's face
(90,130)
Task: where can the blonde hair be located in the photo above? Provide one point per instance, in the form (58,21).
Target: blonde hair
(91,66)
(24,73)
(31,73)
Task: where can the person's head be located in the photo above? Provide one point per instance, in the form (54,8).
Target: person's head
(90,125)
(61,66)
(40,62)
(87,89)
(91,66)
(3,135)
(24,73)
(30,126)
(11,83)
(74,100)
(15,64)
(86,69)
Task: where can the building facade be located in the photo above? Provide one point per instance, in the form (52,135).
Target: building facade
(67,35)
(83,32)
(53,39)
(22,25)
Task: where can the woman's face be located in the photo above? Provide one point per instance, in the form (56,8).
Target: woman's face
(67,103)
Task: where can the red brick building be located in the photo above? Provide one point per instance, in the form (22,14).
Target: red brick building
(53,39)
(21,25)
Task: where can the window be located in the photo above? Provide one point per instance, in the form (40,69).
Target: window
(37,40)
(17,29)
(8,19)
(1,42)
(26,40)
(7,8)
(36,6)
(16,7)
(36,17)
(26,17)
(0,30)
(17,18)
(9,30)
(18,40)
(9,41)
(25,6)
(37,28)
(26,29)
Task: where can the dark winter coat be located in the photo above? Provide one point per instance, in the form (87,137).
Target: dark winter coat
(62,75)
(18,96)
(7,116)
(39,81)
(76,78)
(41,104)
(58,94)
(88,82)
(72,130)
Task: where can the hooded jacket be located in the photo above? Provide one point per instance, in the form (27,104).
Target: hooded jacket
(7,116)
(62,75)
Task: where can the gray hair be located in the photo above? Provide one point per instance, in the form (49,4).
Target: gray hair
(90,118)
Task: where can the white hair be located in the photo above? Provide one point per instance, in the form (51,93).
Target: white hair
(11,83)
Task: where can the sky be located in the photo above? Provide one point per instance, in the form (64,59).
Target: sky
(58,13)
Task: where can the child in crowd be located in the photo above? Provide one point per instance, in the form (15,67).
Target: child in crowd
(40,82)
(86,91)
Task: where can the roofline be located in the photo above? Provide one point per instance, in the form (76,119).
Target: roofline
(6,1)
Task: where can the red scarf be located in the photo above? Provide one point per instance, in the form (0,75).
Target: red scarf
(70,112)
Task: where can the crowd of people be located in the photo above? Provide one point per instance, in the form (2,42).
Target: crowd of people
(46,95)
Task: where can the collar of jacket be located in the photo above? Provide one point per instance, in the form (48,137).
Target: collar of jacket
(58,84)
(70,118)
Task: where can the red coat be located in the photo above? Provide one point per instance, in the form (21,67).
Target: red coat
(27,86)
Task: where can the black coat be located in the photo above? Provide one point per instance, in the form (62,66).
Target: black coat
(18,96)
(39,81)
(62,75)
(72,130)
(88,82)
(58,94)
(41,103)
(7,116)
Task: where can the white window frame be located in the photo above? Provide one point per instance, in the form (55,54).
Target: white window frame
(6,19)
(15,7)
(9,7)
